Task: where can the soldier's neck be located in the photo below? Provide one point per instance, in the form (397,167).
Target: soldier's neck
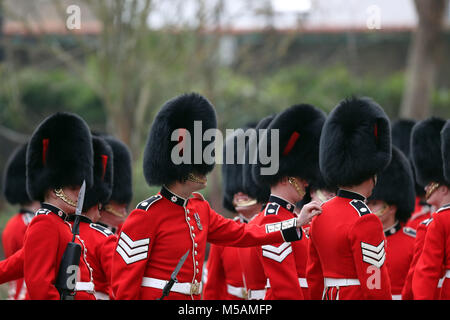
(32,206)
(364,189)
(180,189)
(55,201)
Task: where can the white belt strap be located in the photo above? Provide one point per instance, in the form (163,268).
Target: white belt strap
(396,297)
(256,294)
(336,282)
(101,296)
(301,281)
(186,288)
(239,292)
(84,286)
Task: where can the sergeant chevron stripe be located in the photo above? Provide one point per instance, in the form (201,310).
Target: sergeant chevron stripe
(374,255)
(277,253)
(132,251)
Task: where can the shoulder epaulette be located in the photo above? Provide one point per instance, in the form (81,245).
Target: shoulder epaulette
(144,205)
(42,211)
(198,196)
(427,221)
(271,208)
(101,229)
(409,231)
(360,207)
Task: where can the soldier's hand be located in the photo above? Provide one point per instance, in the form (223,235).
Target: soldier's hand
(308,212)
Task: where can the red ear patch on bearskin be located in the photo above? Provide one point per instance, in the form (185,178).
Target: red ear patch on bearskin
(104,164)
(292,140)
(45,143)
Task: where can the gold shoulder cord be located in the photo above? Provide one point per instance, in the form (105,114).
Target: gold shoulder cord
(60,194)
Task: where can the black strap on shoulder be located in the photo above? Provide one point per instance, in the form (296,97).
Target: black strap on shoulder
(144,205)
(360,207)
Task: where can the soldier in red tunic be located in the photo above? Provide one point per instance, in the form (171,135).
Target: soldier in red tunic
(164,227)
(225,279)
(392,200)
(99,241)
(284,263)
(59,158)
(401,138)
(428,166)
(14,189)
(347,244)
(253,273)
(434,263)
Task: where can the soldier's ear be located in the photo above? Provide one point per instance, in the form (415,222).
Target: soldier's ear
(392,209)
(445,190)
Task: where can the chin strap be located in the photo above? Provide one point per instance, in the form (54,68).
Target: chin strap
(321,196)
(61,195)
(108,208)
(244,203)
(300,189)
(431,188)
(194,178)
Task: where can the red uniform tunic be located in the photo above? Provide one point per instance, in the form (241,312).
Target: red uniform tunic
(284,263)
(399,254)
(347,251)
(12,267)
(161,230)
(407,292)
(224,273)
(45,242)
(255,278)
(12,240)
(435,259)
(100,243)
(422,212)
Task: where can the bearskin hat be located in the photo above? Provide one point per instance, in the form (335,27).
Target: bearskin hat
(426,151)
(232,182)
(395,185)
(59,154)
(445,143)
(401,138)
(355,143)
(101,190)
(122,191)
(299,129)
(177,117)
(260,192)
(401,134)
(14,177)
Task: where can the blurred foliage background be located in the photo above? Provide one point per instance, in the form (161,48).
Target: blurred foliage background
(116,71)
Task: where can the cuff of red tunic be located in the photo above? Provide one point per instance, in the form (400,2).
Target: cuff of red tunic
(288,229)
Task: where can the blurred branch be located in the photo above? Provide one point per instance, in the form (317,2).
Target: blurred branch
(12,135)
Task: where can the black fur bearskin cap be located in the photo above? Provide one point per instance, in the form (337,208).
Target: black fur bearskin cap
(299,130)
(355,143)
(14,177)
(59,154)
(395,185)
(178,113)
